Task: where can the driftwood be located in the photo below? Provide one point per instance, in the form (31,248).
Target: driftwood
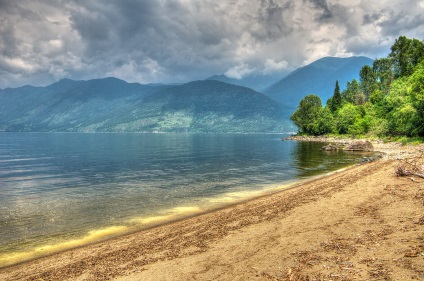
(411,166)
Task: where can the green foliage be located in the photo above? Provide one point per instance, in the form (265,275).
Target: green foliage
(325,122)
(387,102)
(402,120)
(416,92)
(352,89)
(383,71)
(307,115)
(406,54)
(368,81)
(335,102)
(346,118)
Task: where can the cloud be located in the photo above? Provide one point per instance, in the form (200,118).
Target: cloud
(272,20)
(271,66)
(181,40)
(239,71)
(325,11)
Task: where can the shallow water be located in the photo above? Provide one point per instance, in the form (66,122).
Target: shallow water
(62,190)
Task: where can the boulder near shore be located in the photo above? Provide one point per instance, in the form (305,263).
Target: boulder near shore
(359,146)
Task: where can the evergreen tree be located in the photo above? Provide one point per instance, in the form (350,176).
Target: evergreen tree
(335,102)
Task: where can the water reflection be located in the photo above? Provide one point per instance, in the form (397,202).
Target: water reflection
(312,160)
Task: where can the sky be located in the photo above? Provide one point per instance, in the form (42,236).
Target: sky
(176,41)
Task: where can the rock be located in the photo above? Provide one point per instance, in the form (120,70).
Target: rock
(330,147)
(359,146)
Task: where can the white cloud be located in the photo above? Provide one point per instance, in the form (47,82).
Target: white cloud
(239,71)
(271,66)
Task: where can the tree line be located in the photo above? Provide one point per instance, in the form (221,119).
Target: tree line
(388,99)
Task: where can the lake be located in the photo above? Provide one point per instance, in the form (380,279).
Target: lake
(63,190)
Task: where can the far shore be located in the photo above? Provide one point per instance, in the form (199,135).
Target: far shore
(361,223)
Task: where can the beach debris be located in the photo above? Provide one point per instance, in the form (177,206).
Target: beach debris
(368,159)
(359,146)
(413,166)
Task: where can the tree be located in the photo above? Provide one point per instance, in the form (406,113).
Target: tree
(389,100)
(416,92)
(346,117)
(360,98)
(368,81)
(307,114)
(406,54)
(402,120)
(325,122)
(383,72)
(335,102)
(351,91)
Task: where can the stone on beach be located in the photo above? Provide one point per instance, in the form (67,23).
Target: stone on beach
(359,146)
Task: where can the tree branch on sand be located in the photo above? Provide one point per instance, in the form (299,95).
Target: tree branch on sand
(411,166)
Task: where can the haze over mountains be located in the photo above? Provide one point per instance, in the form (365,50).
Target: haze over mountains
(216,104)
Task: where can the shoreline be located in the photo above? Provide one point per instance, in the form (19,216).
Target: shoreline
(174,215)
(215,240)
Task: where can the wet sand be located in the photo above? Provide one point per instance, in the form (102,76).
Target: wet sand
(362,223)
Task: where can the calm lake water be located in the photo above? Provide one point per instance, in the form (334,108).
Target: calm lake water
(62,190)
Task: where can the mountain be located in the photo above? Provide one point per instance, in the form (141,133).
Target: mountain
(257,82)
(113,105)
(67,104)
(317,78)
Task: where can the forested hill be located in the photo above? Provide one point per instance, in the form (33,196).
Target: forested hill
(388,99)
(112,105)
(318,78)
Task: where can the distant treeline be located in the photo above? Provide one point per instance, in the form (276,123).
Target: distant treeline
(388,99)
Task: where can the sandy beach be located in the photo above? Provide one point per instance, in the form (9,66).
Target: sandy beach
(362,223)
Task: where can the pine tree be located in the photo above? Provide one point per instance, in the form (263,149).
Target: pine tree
(336,101)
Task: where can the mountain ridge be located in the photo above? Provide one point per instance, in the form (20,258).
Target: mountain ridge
(113,105)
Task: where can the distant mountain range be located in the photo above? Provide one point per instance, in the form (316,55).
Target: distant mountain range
(112,105)
(217,104)
(317,78)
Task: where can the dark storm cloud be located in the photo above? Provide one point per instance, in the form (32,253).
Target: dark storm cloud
(393,22)
(271,19)
(9,43)
(373,17)
(167,38)
(181,40)
(322,5)
(401,23)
